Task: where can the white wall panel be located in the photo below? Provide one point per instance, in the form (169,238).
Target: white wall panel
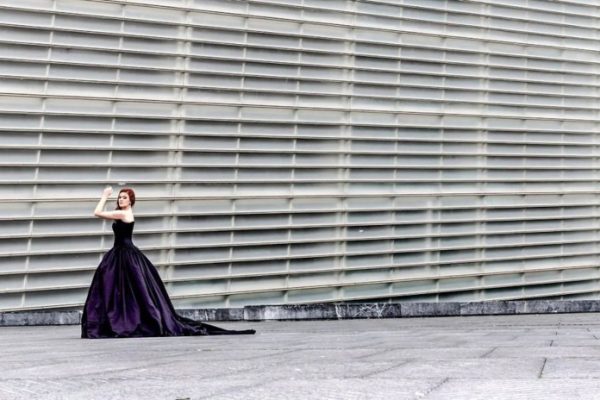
(303,151)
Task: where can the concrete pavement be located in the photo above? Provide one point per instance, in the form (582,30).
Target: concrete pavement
(552,356)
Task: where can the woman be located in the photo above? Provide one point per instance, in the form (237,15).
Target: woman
(127,297)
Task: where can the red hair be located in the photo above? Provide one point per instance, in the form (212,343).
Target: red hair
(131,195)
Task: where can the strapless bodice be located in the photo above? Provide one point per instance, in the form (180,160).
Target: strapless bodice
(123,233)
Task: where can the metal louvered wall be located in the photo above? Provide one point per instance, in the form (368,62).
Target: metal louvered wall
(293,151)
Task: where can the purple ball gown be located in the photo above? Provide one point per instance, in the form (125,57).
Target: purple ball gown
(127,298)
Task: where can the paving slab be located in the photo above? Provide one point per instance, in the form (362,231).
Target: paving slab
(521,356)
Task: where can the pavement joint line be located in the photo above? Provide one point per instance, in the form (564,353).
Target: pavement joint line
(542,369)
(376,353)
(370,374)
(269,355)
(435,387)
(488,352)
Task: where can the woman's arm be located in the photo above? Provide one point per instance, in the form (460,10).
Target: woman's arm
(99,211)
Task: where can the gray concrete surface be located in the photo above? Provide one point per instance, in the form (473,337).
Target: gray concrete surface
(551,356)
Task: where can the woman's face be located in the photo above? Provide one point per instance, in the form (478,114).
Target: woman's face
(124,202)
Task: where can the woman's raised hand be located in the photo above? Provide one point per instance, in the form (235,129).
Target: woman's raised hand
(107,191)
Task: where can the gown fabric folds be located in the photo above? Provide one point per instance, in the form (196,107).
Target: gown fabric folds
(127,298)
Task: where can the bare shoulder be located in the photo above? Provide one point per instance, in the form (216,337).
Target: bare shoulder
(127,217)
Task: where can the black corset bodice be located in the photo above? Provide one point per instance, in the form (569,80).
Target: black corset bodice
(123,233)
